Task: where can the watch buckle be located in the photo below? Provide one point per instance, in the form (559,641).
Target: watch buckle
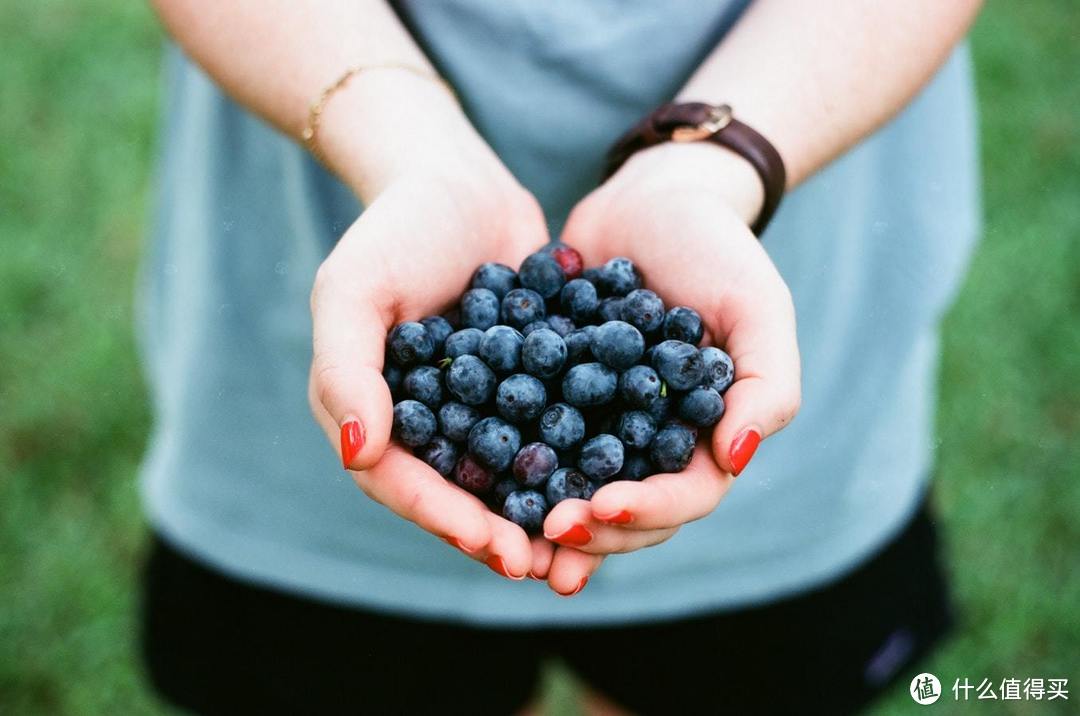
(719,117)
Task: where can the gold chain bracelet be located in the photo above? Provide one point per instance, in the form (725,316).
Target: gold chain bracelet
(311,131)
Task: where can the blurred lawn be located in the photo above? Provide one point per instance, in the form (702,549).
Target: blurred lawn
(77,117)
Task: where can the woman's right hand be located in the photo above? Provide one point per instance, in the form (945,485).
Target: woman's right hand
(410,255)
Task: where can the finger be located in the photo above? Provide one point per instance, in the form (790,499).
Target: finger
(509,553)
(666,500)
(542,553)
(411,489)
(572,524)
(571,569)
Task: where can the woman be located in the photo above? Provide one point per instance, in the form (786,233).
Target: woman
(275,585)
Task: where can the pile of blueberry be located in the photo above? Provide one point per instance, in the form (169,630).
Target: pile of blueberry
(551,381)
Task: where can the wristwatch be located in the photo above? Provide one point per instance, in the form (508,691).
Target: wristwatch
(700,122)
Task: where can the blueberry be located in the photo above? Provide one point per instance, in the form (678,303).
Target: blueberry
(534,464)
(520,397)
(579,300)
(534,326)
(636,429)
(683,324)
(660,409)
(560,324)
(543,353)
(619,277)
(566,483)
(456,420)
(701,407)
(610,309)
(643,310)
(500,348)
(579,345)
(496,278)
(502,490)
(562,426)
(439,329)
(672,448)
(542,274)
(441,454)
(494,443)
(479,309)
(394,376)
(639,386)
(589,384)
(618,344)
(719,369)
(470,380)
(522,306)
(592,275)
(568,259)
(526,509)
(473,476)
(678,364)
(463,342)
(410,344)
(424,383)
(601,457)
(414,423)
(636,466)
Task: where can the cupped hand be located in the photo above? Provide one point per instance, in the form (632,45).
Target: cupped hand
(410,255)
(681,213)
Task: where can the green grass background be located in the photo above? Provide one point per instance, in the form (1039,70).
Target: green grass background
(78,103)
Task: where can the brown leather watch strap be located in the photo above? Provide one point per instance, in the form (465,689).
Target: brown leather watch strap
(697,121)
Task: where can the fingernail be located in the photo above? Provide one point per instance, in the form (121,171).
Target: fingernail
(576,536)
(580,586)
(352,441)
(499,567)
(456,543)
(619,518)
(742,449)
(530,575)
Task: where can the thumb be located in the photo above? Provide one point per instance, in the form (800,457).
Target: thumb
(348,394)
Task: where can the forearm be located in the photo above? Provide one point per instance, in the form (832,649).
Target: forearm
(816,79)
(275,56)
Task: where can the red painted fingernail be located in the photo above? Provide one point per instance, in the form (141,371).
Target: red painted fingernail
(456,543)
(742,449)
(352,441)
(499,567)
(576,536)
(619,518)
(580,586)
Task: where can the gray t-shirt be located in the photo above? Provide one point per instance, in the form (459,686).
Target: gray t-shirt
(873,248)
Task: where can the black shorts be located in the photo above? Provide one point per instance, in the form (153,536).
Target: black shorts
(220,646)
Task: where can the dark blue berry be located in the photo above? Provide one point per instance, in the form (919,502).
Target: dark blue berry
(410,344)
(543,353)
(579,345)
(672,448)
(618,344)
(470,380)
(424,383)
(500,348)
(619,277)
(414,423)
(457,419)
(520,397)
(562,426)
(502,490)
(494,443)
(542,274)
(463,342)
(579,300)
(496,278)
(394,375)
(566,483)
(719,369)
(592,275)
(639,386)
(526,509)
(589,385)
(534,326)
(521,307)
(643,310)
(479,309)
(636,466)
(636,429)
(473,476)
(660,409)
(534,464)
(560,324)
(683,324)
(610,309)
(439,329)
(441,454)
(678,364)
(601,457)
(701,407)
